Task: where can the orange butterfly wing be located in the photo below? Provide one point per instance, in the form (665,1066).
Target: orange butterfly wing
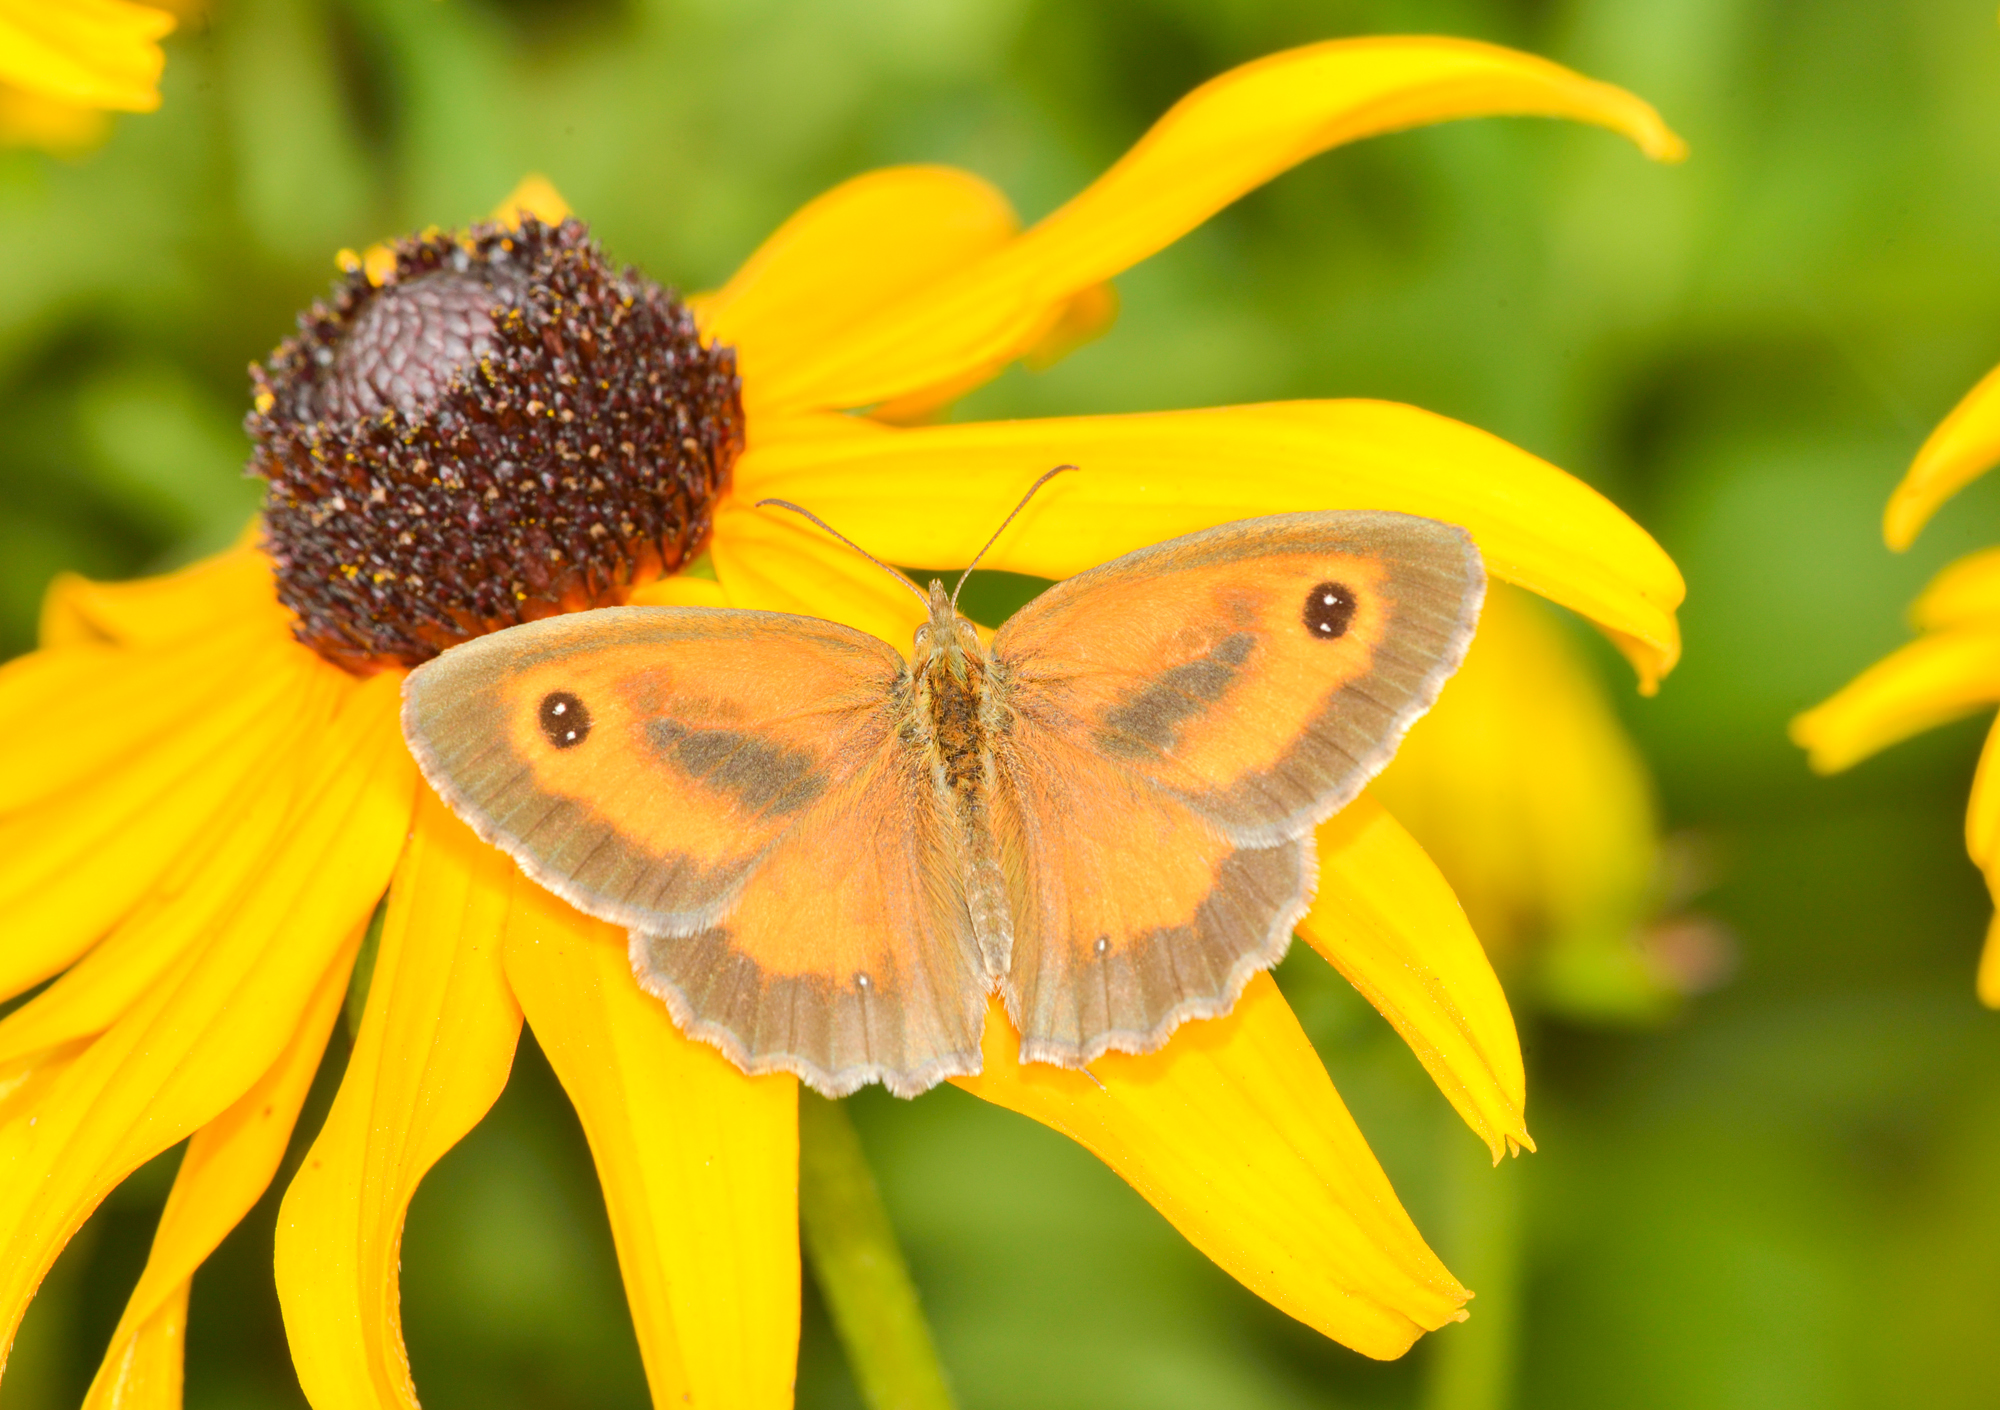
(730,787)
(1174,725)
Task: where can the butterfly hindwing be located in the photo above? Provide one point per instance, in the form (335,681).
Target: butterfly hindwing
(1211,698)
(730,787)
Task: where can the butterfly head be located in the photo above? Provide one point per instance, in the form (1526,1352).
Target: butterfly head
(946,639)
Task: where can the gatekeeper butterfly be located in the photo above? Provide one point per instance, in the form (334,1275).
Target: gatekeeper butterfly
(828,857)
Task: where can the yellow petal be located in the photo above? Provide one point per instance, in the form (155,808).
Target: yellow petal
(1934,679)
(228,1164)
(66,129)
(1526,791)
(1989,966)
(1234,1132)
(119,705)
(433,1054)
(699,1165)
(218,1021)
(219,592)
(680,591)
(863,244)
(1958,452)
(1227,137)
(536,196)
(774,561)
(1964,593)
(1384,917)
(177,912)
(933,494)
(102,53)
(71,868)
(1982,813)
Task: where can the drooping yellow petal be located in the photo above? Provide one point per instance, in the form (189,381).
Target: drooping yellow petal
(1227,137)
(99,53)
(1526,791)
(435,1047)
(1966,592)
(699,1165)
(773,561)
(933,494)
(1384,917)
(71,868)
(228,1164)
(217,1022)
(1964,445)
(537,196)
(1234,1132)
(1934,679)
(225,590)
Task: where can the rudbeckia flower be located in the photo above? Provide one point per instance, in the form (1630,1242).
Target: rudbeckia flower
(206,793)
(64,63)
(1953,667)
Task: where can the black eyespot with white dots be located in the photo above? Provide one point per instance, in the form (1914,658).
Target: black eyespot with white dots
(1329,608)
(564,719)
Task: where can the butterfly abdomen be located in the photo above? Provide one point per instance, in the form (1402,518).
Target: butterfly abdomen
(952,705)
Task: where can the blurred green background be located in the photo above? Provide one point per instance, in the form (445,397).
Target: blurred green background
(1788,1195)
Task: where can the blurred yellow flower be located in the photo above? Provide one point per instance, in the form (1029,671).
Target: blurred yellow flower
(201,812)
(1523,786)
(1953,667)
(64,63)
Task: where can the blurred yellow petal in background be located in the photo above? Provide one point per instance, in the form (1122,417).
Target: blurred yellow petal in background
(1953,668)
(64,63)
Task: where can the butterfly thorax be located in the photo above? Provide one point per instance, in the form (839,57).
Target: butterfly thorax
(952,672)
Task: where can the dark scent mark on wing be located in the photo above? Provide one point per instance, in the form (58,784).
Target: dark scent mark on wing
(765,778)
(1149,720)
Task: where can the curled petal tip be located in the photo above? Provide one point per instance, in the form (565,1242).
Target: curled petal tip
(1962,448)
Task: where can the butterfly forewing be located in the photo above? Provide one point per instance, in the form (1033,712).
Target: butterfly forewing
(1214,697)
(730,787)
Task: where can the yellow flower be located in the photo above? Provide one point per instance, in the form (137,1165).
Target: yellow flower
(1953,668)
(1524,787)
(201,812)
(63,63)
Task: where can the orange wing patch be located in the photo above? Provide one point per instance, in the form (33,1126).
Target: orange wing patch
(846,957)
(1262,672)
(639,761)
(1132,913)
(730,787)
(1170,728)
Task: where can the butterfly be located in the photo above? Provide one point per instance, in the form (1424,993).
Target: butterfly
(829,857)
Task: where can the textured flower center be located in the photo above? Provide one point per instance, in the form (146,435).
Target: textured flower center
(411,341)
(504,429)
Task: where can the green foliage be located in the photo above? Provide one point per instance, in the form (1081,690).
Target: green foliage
(1787,1199)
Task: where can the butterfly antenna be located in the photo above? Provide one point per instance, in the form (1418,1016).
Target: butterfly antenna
(808,514)
(1050,475)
